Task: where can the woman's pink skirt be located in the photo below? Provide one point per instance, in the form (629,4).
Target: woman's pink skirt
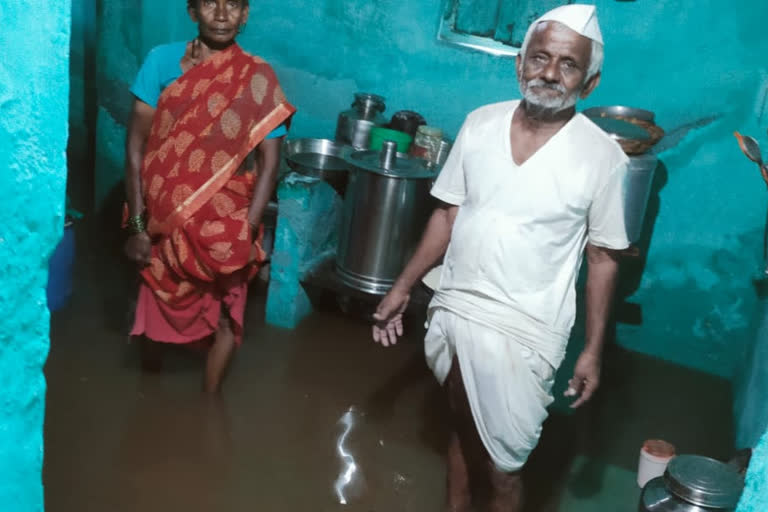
(195,321)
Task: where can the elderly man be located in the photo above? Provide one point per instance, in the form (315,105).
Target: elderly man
(528,187)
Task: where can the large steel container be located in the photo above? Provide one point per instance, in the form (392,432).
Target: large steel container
(637,189)
(386,209)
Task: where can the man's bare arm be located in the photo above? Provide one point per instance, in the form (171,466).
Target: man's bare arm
(602,274)
(432,247)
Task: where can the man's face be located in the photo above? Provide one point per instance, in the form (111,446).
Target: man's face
(553,73)
(219,20)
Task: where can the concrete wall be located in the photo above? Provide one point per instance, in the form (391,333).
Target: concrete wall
(699,66)
(82,95)
(82,101)
(755,497)
(34,88)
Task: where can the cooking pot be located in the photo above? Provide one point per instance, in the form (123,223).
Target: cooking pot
(693,483)
(354,126)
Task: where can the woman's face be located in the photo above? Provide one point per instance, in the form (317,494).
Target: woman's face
(219,20)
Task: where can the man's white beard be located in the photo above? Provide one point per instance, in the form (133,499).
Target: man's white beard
(552,104)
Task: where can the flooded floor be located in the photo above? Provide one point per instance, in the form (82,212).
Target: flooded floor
(119,440)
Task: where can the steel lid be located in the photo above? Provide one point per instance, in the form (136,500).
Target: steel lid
(403,166)
(704,482)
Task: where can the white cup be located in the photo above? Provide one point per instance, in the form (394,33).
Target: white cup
(654,458)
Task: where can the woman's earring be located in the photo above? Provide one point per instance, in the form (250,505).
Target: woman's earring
(242,28)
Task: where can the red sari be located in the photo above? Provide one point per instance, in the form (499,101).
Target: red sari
(204,251)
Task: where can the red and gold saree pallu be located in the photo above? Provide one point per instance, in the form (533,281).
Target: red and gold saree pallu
(205,124)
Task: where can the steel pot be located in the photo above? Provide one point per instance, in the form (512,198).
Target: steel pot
(693,484)
(354,125)
(637,190)
(386,209)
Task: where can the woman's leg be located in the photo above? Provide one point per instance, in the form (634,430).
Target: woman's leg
(151,354)
(219,355)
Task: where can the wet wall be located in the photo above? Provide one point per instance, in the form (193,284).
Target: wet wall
(699,66)
(34,88)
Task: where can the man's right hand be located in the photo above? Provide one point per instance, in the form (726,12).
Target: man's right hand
(389,317)
(138,248)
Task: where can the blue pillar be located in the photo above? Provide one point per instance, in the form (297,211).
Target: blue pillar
(309,212)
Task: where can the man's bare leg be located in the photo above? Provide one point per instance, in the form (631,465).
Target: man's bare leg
(506,490)
(219,355)
(459,496)
(459,485)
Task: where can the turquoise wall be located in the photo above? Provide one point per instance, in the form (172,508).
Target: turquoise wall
(34,88)
(755,497)
(82,92)
(699,65)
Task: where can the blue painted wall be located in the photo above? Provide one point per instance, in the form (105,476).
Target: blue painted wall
(755,497)
(696,64)
(82,93)
(34,88)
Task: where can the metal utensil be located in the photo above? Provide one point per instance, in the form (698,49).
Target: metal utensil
(315,157)
(614,121)
(750,148)
(319,158)
(620,111)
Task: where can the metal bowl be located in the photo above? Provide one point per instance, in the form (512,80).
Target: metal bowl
(624,124)
(620,111)
(319,158)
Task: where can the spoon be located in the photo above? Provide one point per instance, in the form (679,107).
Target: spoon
(751,149)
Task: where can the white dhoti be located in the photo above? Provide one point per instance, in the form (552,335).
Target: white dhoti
(508,385)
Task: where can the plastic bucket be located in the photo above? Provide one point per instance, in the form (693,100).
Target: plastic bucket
(654,458)
(379,135)
(59,288)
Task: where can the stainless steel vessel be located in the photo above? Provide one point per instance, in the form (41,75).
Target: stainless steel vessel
(640,173)
(642,167)
(354,125)
(693,484)
(319,158)
(386,209)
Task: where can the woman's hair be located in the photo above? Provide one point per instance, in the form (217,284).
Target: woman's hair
(191,4)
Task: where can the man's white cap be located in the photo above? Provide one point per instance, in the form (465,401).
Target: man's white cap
(580,18)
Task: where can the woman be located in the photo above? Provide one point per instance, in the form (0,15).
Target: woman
(202,155)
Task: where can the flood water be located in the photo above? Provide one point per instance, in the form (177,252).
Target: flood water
(119,440)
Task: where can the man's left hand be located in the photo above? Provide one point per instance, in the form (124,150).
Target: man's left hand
(586,379)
